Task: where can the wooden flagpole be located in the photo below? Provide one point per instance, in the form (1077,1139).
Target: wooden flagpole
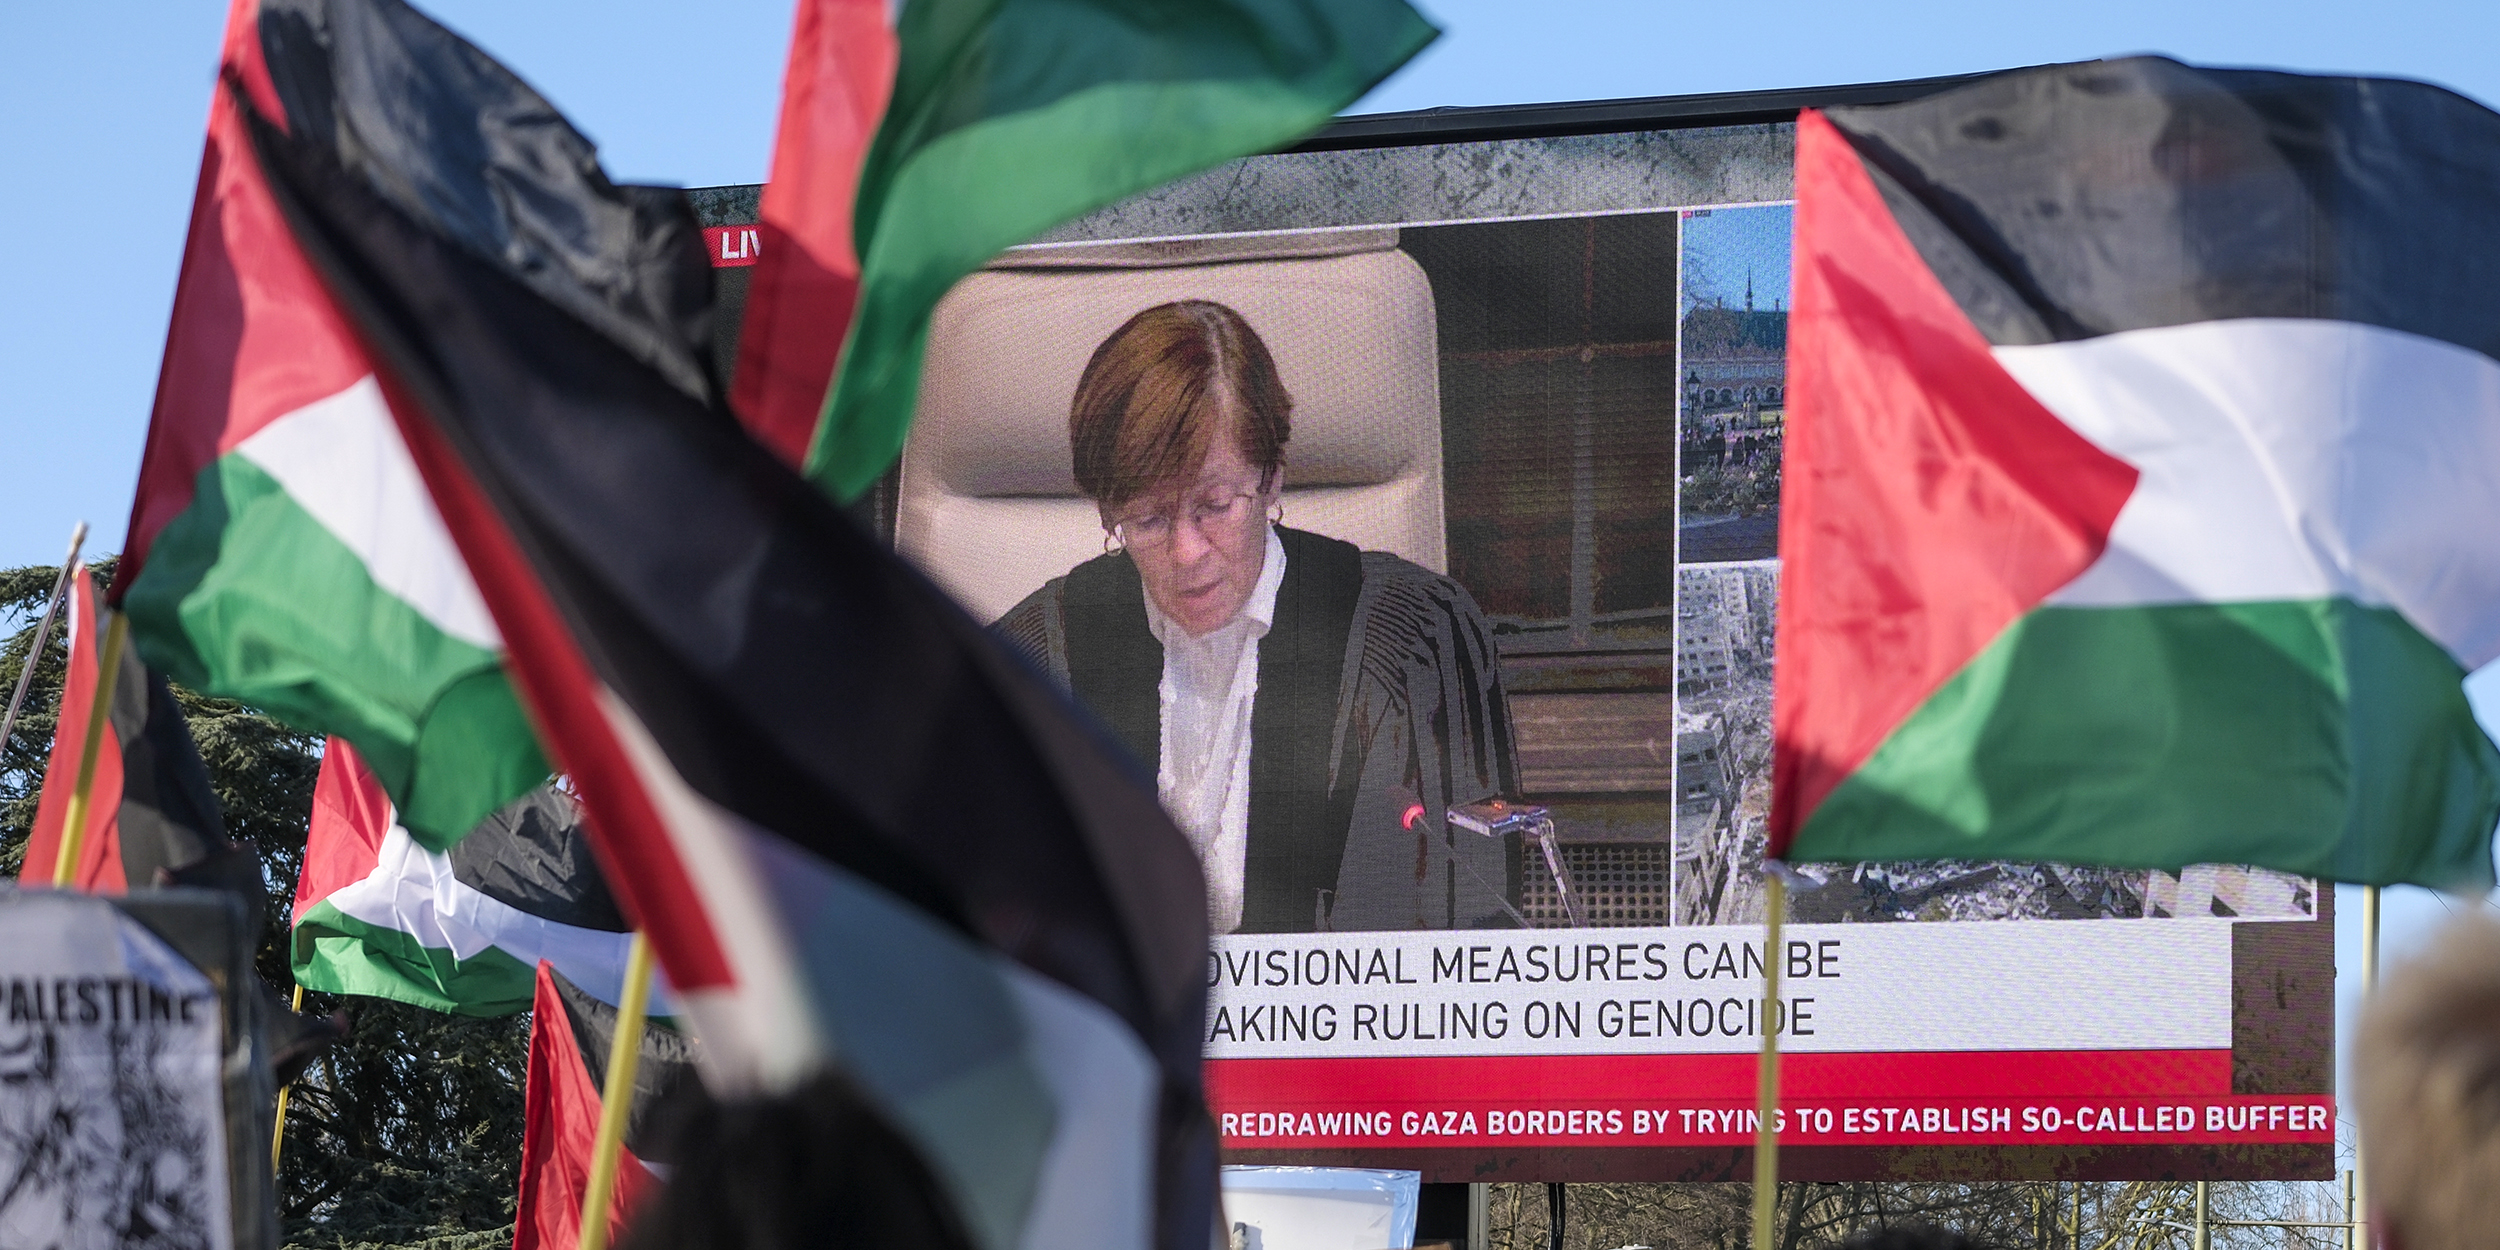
(99,711)
(277,1135)
(43,631)
(1766,1142)
(616,1101)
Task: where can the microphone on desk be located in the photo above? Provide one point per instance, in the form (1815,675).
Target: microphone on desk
(1496,817)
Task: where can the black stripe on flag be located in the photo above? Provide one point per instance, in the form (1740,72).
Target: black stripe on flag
(2073,201)
(663,1077)
(532,855)
(169,818)
(397,99)
(168,827)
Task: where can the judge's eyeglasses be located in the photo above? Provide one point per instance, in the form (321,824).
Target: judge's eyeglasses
(1212,514)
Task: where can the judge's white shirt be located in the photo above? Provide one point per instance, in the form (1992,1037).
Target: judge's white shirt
(1209,685)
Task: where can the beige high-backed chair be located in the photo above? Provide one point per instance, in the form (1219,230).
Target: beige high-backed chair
(988,502)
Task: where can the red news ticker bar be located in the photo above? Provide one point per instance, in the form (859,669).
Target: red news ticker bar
(733,247)
(1959,1098)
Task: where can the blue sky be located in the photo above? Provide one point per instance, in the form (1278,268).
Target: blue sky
(100,114)
(1735,250)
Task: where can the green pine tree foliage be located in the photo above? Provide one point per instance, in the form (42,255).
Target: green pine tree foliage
(407,1136)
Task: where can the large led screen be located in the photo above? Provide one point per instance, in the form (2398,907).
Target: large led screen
(1411,513)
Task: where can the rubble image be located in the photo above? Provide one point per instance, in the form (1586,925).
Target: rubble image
(1722,737)
(1724,619)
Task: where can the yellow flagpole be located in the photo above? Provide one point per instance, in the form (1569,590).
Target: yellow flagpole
(99,711)
(616,1102)
(277,1135)
(1766,1142)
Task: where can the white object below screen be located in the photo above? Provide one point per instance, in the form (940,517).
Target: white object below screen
(1295,1208)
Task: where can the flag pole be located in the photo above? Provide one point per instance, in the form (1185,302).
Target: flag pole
(2357,1209)
(1766,1143)
(43,631)
(616,1102)
(277,1135)
(99,710)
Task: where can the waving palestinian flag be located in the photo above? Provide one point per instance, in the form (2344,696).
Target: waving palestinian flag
(2143,476)
(1006,118)
(461,930)
(282,550)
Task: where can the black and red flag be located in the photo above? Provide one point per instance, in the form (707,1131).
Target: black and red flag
(856,832)
(571,1036)
(151,817)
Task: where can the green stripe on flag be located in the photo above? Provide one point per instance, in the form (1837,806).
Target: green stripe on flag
(2320,737)
(247,596)
(335,953)
(1012,116)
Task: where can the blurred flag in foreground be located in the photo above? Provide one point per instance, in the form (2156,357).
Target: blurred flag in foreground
(459,930)
(282,551)
(149,807)
(1009,117)
(571,1033)
(799,309)
(855,831)
(2142,472)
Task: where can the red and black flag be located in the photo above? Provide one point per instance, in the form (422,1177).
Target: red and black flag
(571,1036)
(151,817)
(2143,462)
(855,830)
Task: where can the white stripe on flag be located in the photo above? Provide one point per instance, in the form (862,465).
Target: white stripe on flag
(341,459)
(2288,459)
(412,890)
(757,1033)
(1097,1183)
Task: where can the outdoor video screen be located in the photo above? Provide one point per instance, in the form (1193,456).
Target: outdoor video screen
(1412,514)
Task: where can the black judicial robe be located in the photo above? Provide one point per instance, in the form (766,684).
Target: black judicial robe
(1379,692)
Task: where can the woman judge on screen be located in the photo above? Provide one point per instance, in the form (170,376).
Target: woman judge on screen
(1311,709)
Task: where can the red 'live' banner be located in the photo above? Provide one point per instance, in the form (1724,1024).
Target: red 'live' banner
(733,247)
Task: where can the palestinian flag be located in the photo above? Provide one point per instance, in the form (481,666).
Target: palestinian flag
(281,548)
(854,829)
(150,810)
(571,1035)
(462,930)
(2143,470)
(1009,117)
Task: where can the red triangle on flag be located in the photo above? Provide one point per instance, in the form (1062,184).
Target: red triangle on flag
(560,1121)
